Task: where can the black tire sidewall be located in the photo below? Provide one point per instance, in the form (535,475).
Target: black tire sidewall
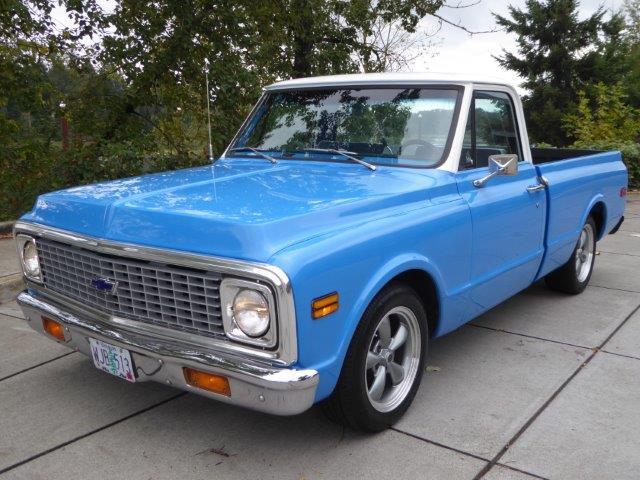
(367,417)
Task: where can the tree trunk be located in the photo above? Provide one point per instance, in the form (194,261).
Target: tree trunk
(64,133)
(303,39)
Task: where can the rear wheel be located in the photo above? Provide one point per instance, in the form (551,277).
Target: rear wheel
(383,367)
(573,277)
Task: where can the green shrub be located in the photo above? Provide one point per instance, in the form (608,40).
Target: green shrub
(607,118)
(608,122)
(33,169)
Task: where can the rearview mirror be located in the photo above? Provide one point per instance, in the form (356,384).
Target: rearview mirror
(499,165)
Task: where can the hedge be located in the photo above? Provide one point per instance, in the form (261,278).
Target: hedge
(24,177)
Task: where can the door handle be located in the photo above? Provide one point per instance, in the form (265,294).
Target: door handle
(542,184)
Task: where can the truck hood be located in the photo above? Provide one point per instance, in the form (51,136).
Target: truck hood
(237,208)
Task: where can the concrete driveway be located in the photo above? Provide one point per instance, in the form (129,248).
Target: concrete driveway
(543,386)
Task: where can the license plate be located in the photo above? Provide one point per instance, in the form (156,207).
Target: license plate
(112,359)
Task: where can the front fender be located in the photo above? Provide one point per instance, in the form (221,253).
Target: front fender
(352,309)
(357,263)
(386,273)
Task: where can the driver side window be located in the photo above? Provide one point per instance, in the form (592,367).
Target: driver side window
(491,130)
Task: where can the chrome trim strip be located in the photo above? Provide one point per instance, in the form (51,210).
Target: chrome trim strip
(254,109)
(282,391)
(286,351)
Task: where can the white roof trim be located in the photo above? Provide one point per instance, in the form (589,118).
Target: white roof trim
(387,79)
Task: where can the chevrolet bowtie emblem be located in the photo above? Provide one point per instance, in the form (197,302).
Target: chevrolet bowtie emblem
(105,285)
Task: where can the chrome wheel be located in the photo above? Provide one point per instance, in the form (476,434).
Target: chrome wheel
(392,359)
(585,253)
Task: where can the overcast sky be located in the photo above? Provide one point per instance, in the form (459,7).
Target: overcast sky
(459,52)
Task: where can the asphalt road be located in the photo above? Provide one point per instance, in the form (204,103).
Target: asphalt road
(543,386)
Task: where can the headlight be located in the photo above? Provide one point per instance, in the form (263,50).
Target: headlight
(251,312)
(29,257)
(248,312)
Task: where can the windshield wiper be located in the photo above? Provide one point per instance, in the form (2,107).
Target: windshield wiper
(344,153)
(256,151)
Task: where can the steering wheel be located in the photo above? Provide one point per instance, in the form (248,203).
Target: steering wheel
(416,141)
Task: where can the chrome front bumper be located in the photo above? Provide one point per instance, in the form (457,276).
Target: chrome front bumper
(275,390)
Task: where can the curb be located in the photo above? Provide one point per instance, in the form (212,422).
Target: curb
(10,287)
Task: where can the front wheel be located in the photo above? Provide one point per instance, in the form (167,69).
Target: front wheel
(383,367)
(573,277)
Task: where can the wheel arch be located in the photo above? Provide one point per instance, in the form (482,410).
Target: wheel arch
(598,212)
(417,272)
(425,286)
(596,206)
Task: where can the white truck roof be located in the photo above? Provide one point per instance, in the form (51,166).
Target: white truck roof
(387,79)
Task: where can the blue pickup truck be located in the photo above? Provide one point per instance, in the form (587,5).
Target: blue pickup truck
(352,220)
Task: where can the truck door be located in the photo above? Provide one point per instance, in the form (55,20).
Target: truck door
(508,212)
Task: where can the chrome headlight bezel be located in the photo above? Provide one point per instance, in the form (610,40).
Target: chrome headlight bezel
(24,242)
(229,289)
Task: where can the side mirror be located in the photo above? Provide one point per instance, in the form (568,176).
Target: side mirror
(499,165)
(504,164)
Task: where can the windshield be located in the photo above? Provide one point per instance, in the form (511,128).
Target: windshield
(386,126)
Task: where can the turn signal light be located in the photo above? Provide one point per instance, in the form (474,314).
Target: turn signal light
(323,306)
(207,381)
(53,328)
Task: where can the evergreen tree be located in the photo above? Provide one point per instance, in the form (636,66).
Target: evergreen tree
(558,55)
(632,82)
(632,9)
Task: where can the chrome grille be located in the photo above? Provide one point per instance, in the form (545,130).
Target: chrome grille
(169,296)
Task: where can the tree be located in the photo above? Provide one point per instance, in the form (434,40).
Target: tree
(160,49)
(632,9)
(608,118)
(391,48)
(128,81)
(632,80)
(341,36)
(558,55)
(608,122)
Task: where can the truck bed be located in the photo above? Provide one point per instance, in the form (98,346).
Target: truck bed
(546,155)
(579,182)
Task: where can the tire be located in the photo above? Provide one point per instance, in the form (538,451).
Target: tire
(355,402)
(573,277)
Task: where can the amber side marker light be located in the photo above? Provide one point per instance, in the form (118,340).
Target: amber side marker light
(323,306)
(207,381)
(53,328)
